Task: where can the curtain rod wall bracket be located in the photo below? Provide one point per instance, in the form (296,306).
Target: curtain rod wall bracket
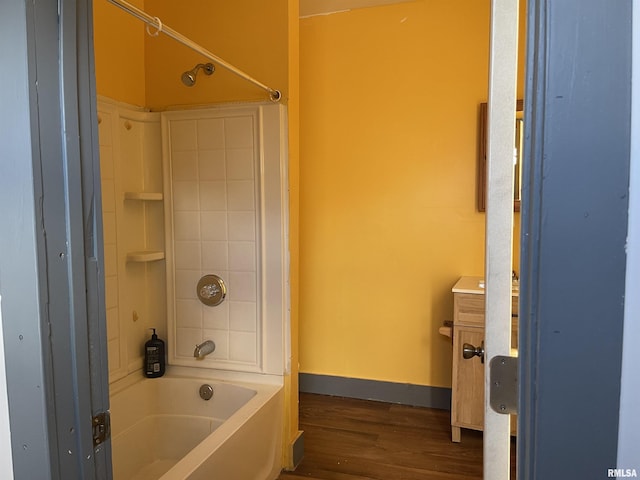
(275,96)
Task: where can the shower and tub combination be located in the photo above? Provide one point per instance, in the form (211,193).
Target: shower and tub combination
(195,238)
(223,262)
(205,228)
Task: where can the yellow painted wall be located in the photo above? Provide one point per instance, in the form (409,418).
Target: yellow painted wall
(136,68)
(119,53)
(293,110)
(252,35)
(388,149)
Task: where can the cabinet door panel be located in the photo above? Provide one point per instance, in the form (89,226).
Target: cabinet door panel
(467,409)
(468,380)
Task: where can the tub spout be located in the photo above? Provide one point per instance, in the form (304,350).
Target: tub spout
(205,348)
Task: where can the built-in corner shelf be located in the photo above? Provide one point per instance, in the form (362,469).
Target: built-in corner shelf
(147,196)
(145,256)
(142,256)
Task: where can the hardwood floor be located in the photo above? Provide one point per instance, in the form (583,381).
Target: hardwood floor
(349,439)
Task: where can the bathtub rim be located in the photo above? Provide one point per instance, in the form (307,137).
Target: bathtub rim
(253,381)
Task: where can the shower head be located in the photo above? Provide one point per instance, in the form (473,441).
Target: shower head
(189,77)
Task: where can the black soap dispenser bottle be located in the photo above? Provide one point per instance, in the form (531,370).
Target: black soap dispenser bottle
(154,356)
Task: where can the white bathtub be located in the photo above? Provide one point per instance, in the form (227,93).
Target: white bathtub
(162,429)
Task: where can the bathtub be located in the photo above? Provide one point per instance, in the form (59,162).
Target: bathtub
(162,429)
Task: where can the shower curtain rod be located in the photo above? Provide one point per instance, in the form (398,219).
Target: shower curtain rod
(275,95)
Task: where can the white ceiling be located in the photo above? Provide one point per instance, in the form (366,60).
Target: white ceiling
(309,8)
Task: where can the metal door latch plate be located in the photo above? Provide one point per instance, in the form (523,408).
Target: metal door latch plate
(503,393)
(101,428)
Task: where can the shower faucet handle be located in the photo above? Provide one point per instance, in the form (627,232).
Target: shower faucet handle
(211,290)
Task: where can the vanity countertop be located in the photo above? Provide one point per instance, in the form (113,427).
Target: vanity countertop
(474,285)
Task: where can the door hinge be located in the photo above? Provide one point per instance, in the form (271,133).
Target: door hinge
(101,424)
(503,392)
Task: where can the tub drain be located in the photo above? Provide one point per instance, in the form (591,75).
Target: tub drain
(206,392)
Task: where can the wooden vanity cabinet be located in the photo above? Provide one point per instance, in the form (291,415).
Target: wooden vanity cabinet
(467,392)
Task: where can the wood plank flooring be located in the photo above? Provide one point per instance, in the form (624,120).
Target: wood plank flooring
(349,439)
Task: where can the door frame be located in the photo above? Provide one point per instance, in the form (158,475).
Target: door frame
(501,112)
(573,233)
(51,258)
(629,430)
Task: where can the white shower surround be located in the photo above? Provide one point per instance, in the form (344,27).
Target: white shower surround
(225,187)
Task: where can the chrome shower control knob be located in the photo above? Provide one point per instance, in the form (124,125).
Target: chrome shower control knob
(211,290)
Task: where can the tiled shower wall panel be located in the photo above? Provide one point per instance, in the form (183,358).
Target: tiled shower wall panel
(131,161)
(214,200)
(140,227)
(107,173)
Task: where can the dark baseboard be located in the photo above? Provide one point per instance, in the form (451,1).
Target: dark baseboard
(402,393)
(298,450)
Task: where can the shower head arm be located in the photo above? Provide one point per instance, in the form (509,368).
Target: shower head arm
(207,68)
